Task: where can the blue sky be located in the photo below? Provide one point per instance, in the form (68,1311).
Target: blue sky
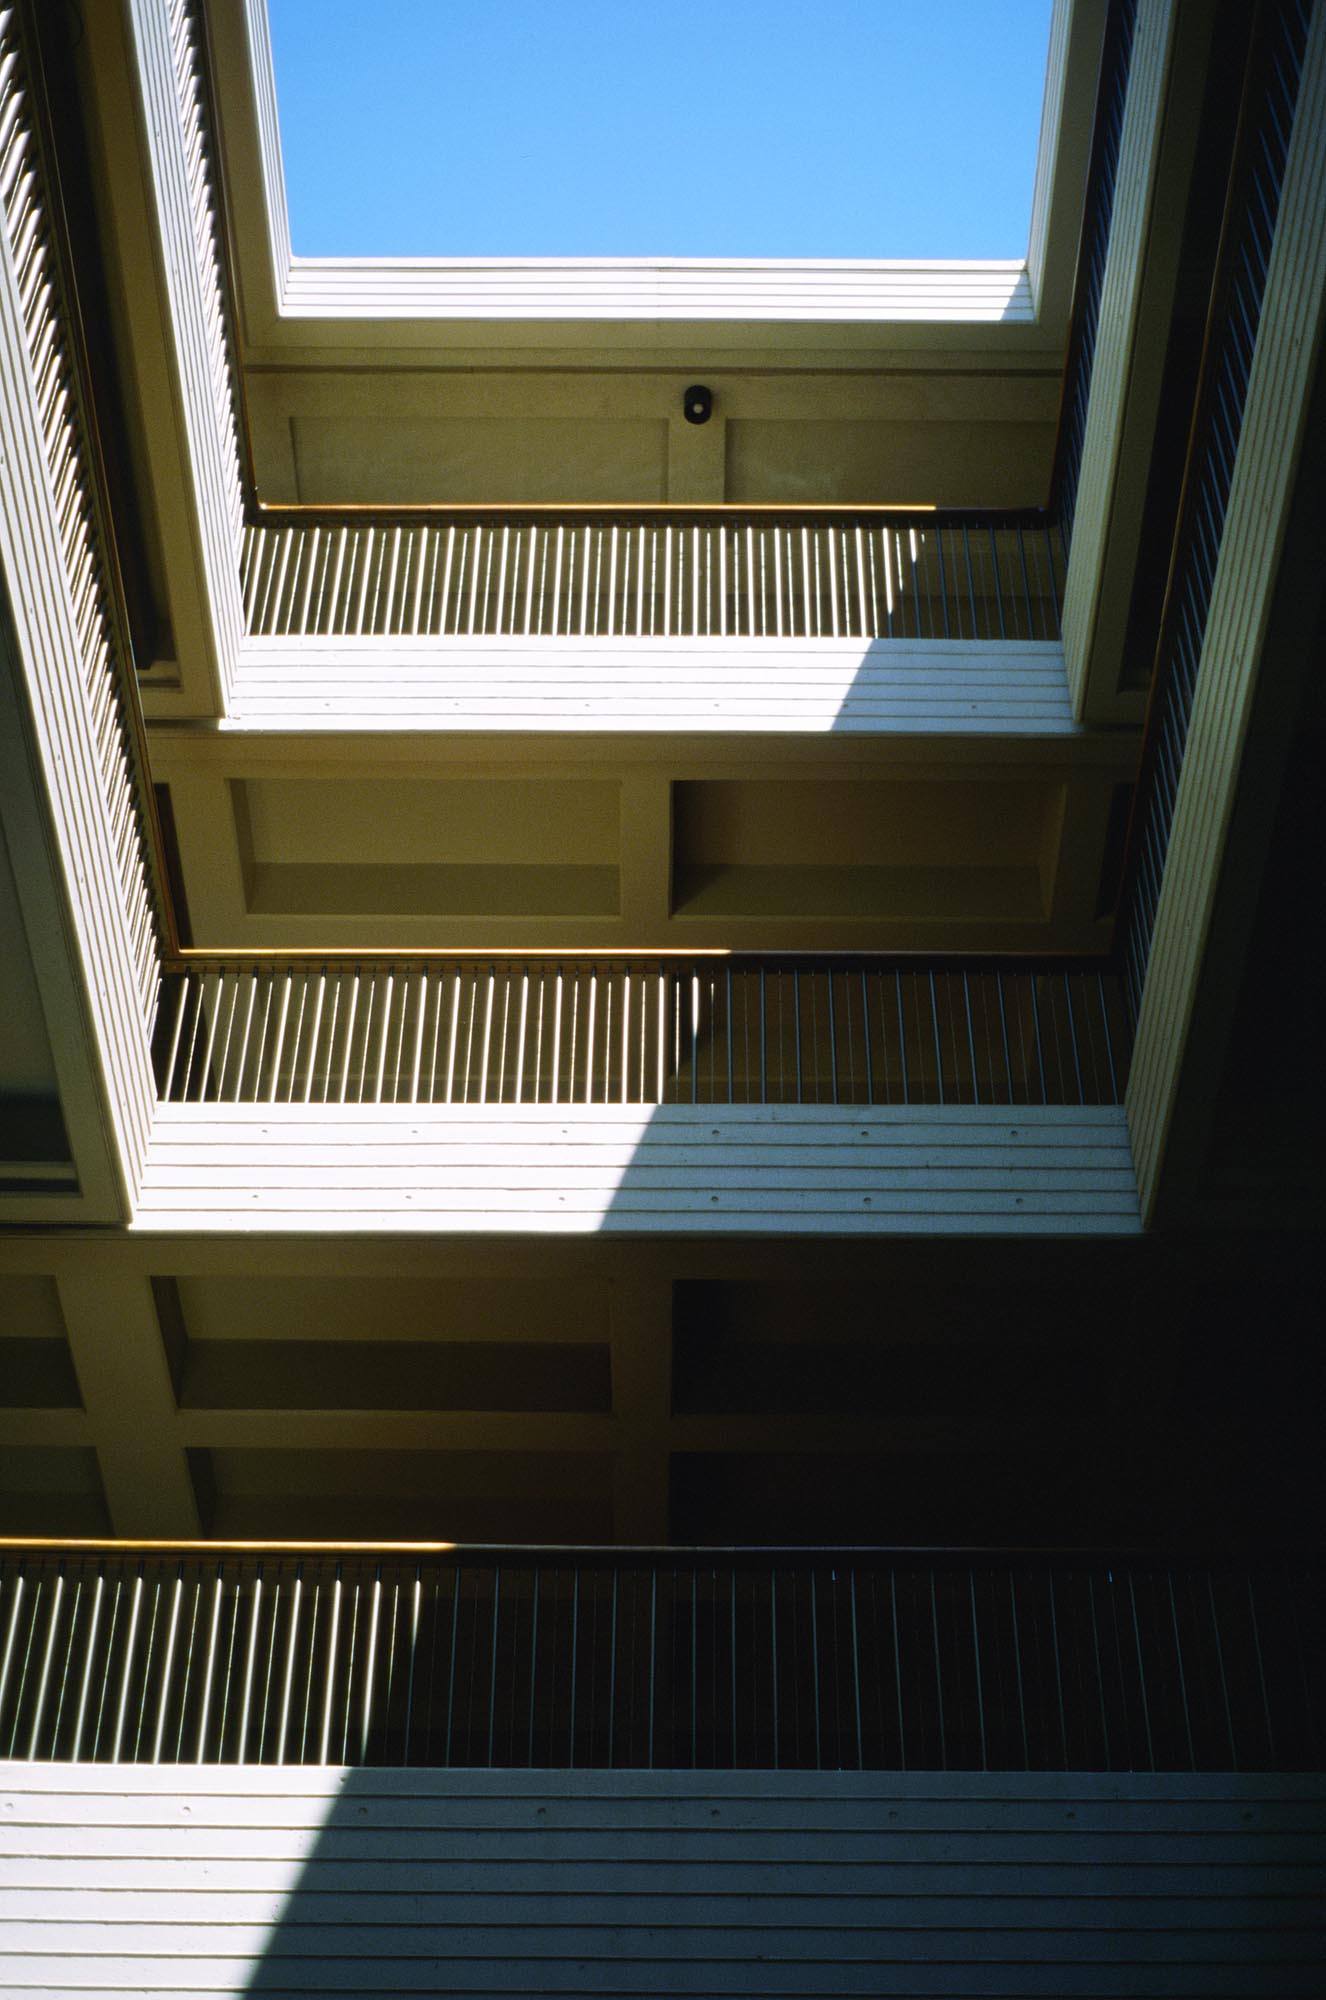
(671,128)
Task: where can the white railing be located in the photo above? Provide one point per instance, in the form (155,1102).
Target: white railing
(185,44)
(24,215)
(583,1031)
(651,574)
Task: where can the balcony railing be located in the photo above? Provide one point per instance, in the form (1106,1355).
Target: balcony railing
(604,1031)
(1251,206)
(92,706)
(659,574)
(859,1659)
(1097,212)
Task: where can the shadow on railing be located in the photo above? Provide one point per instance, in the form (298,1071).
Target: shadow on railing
(659,573)
(721,1030)
(717,1659)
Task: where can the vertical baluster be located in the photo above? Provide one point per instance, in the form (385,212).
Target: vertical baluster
(447,625)
(165,1682)
(1072,1037)
(324,1739)
(1179,1669)
(533,533)
(213,1020)
(229,987)
(971,586)
(518,1094)
(43,1672)
(976,1659)
(1033,983)
(331,1037)
(555,625)
(1108,1039)
(943,578)
(934,1028)
(1003,1034)
(598,593)
(370,1664)
(1141,1673)
(283,1014)
(292,1640)
(387,619)
(487,1041)
(418,552)
(773,1666)
(185,989)
(209,1669)
(250,1656)
(589,1037)
(862,617)
(695,582)
(89,1657)
(1028,612)
(472,542)
(449,1097)
(555,1068)
(585,533)
(997,582)
(721,533)
(653,1656)
(127,1667)
(971,1038)
(1015,1631)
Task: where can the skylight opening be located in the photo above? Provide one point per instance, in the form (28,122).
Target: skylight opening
(862,129)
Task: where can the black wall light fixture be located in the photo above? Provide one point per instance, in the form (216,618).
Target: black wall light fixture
(698,403)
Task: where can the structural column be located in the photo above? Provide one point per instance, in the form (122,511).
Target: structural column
(120,1358)
(641,1323)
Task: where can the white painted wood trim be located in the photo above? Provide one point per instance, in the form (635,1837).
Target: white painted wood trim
(824,686)
(991,293)
(150,1794)
(1077,32)
(1288,344)
(191,1879)
(190,284)
(674,1169)
(1120,304)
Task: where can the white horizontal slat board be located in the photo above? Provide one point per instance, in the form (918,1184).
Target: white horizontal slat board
(681,1169)
(196,1879)
(814,686)
(993,290)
